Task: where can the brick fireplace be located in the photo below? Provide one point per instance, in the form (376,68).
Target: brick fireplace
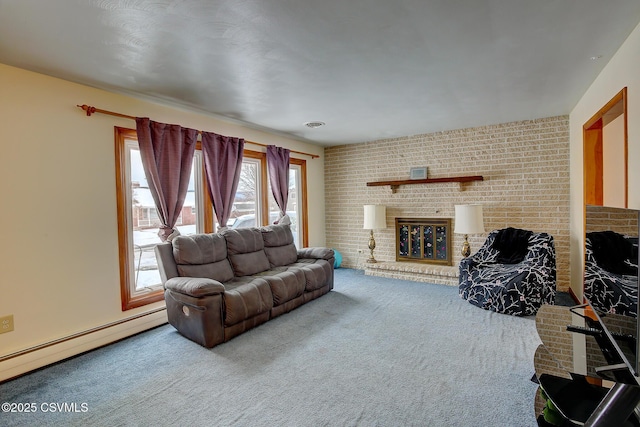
(525,166)
(423,252)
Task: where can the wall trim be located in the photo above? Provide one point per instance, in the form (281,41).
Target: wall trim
(20,362)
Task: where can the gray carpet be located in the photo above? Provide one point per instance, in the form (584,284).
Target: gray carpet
(373,352)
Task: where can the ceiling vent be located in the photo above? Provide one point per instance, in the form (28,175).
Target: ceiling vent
(314,125)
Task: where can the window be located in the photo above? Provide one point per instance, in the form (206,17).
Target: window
(248,199)
(296,203)
(254,198)
(138,220)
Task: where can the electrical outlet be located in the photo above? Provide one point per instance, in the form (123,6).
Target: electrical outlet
(6,324)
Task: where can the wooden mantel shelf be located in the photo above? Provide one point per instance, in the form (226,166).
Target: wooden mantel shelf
(395,184)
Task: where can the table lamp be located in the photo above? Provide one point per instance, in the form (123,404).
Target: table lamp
(469,220)
(375,218)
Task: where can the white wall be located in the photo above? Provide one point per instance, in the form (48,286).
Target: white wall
(613,157)
(59,266)
(621,71)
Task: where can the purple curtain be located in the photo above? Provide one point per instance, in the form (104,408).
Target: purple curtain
(167,156)
(278,166)
(222,166)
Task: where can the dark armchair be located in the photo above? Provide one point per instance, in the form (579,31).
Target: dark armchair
(611,272)
(514,272)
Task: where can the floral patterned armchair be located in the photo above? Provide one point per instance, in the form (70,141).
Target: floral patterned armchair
(500,279)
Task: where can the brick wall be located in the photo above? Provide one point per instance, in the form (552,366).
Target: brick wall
(525,166)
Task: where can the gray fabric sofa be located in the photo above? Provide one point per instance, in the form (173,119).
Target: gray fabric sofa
(218,286)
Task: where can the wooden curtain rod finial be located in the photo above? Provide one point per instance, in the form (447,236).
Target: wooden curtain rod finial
(90,110)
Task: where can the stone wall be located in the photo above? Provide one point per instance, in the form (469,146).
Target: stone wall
(525,166)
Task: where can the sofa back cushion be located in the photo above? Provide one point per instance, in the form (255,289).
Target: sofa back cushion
(278,245)
(245,249)
(202,255)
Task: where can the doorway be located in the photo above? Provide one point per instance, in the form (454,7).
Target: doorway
(605,154)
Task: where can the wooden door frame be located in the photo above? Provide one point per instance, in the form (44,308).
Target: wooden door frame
(593,148)
(592,155)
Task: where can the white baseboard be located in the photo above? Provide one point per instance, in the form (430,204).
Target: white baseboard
(25,361)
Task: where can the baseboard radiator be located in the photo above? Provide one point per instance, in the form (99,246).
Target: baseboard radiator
(21,362)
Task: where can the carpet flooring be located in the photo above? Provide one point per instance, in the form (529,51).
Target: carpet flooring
(373,352)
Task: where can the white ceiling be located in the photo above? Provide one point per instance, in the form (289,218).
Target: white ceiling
(370,69)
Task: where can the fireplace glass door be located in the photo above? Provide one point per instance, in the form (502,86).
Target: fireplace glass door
(425,240)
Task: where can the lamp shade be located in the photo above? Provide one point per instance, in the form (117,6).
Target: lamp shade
(375,217)
(469,219)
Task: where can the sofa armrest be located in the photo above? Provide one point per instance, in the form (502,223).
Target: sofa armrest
(316,253)
(166,263)
(196,287)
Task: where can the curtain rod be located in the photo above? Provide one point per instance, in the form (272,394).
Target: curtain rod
(90,110)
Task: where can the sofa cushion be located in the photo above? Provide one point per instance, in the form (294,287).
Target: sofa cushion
(286,283)
(316,272)
(278,245)
(202,255)
(245,249)
(246,297)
